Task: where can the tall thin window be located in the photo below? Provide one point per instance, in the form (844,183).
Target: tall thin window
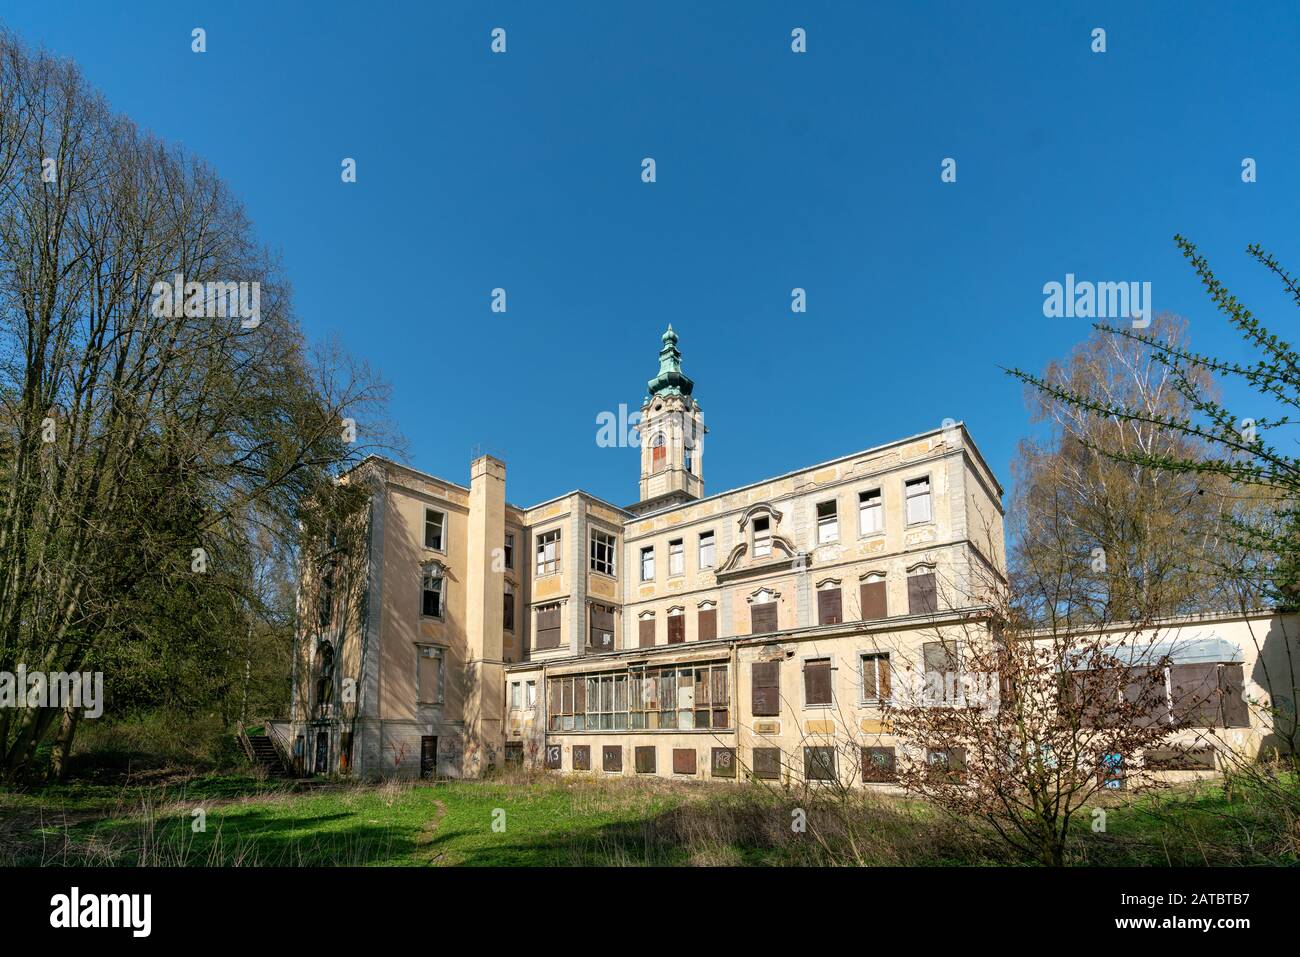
(548,553)
(648,563)
(828,523)
(602,552)
(434,522)
(676,557)
(508,608)
(706,550)
(429,676)
(509,550)
(658,454)
(871,512)
(918,500)
(431,593)
(762,536)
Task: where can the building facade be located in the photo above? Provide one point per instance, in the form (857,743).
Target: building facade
(755,632)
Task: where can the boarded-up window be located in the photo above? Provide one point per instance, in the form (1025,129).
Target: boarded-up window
(873,599)
(706,624)
(878,764)
(922,598)
(724,762)
(647,632)
(602,628)
(817,681)
(645,760)
(767,763)
(553,756)
(762,618)
(582,757)
(514,754)
(548,627)
(684,760)
(1181,759)
(819,763)
(950,762)
(765,676)
(612,757)
(430,676)
(676,629)
(829,610)
(1232,688)
(876,682)
(1194,689)
(1146,692)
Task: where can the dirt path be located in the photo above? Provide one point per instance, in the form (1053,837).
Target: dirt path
(423,852)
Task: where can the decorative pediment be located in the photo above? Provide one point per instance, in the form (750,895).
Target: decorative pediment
(829,583)
(762,508)
(763,596)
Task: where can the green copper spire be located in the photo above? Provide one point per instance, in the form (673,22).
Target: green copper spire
(670,380)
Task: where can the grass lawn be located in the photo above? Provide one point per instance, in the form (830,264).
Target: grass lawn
(544,820)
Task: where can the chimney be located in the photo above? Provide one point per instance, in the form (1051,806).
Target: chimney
(484,597)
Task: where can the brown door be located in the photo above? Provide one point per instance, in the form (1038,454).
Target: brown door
(428,756)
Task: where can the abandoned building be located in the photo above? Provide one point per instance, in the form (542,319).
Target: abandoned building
(754,632)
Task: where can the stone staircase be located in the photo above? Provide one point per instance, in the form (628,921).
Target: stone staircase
(262,751)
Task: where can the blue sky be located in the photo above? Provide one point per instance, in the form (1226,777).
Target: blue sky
(774,170)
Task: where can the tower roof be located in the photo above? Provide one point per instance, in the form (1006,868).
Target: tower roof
(670,380)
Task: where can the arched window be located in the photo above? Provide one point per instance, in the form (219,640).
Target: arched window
(658,453)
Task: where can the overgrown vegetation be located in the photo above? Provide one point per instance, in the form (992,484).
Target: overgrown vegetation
(566,821)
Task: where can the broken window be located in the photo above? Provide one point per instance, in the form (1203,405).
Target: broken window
(676,557)
(917,492)
(602,552)
(434,521)
(706,550)
(648,563)
(762,536)
(871,512)
(548,552)
(431,593)
(828,523)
